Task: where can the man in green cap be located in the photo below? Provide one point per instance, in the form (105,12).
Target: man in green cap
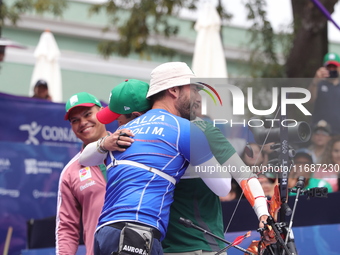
(81,188)
(126,102)
(325,93)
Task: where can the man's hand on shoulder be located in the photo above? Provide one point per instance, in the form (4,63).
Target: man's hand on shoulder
(117,142)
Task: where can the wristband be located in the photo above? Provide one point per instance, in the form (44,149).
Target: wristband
(100,147)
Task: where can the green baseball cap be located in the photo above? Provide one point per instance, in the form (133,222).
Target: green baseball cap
(331,59)
(127,97)
(80,99)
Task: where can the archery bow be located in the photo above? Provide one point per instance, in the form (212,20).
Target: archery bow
(279,208)
(258,247)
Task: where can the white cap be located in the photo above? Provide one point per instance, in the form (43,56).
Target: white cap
(169,75)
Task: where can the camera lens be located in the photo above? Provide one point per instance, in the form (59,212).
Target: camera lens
(304,131)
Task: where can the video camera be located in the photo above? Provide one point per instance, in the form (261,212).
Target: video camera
(299,132)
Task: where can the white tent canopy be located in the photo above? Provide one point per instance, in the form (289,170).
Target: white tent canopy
(47,66)
(209,58)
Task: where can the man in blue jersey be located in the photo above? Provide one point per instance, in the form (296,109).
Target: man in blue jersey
(124,100)
(141,180)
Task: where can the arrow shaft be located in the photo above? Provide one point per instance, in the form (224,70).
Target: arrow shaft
(221,239)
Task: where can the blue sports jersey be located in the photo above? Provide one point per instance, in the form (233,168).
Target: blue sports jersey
(162,141)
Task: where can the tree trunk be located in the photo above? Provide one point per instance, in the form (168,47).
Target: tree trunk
(1,18)
(311,40)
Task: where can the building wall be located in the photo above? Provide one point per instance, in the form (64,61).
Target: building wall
(83,69)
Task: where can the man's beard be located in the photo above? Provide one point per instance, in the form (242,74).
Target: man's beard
(184,108)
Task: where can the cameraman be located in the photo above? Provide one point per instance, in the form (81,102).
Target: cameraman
(325,92)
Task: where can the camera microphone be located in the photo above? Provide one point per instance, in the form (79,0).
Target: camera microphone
(300,182)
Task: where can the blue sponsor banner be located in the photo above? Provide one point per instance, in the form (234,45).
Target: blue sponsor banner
(36,121)
(35,145)
(29,176)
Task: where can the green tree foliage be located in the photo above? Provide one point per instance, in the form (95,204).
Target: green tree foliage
(12,9)
(140,23)
(144,19)
(264,43)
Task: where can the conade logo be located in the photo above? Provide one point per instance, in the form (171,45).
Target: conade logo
(48,133)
